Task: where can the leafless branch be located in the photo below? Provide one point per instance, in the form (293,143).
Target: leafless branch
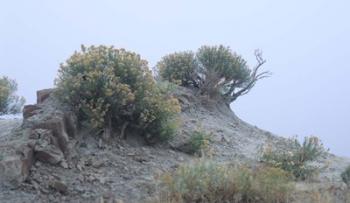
(254,77)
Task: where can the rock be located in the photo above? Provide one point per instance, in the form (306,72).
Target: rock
(102,180)
(225,138)
(15,164)
(59,186)
(64,164)
(57,126)
(118,201)
(37,164)
(98,163)
(45,149)
(70,122)
(79,167)
(43,135)
(100,143)
(42,95)
(49,154)
(186,147)
(30,110)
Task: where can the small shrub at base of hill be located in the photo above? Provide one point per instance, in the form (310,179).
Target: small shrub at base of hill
(199,142)
(210,182)
(298,160)
(113,88)
(346,176)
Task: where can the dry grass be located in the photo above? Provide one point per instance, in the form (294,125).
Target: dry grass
(209,182)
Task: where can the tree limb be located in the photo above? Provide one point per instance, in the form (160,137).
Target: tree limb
(254,77)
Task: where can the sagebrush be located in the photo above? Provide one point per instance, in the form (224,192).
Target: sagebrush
(109,87)
(213,70)
(179,68)
(199,142)
(298,159)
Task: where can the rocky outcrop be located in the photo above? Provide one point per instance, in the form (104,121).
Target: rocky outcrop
(45,134)
(46,147)
(15,163)
(58,132)
(30,110)
(42,95)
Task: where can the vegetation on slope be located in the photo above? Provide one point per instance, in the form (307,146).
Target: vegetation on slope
(10,103)
(213,70)
(298,160)
(207,181)
(113,88)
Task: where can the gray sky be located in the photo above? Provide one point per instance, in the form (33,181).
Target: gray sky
(306,44)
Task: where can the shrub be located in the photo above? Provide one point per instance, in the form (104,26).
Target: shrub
(178,68)
(220,67)
(206,181)
(272,184)
(199,141)
(298,160)
(10,103)
(346,176)
(214,70)
(114,87)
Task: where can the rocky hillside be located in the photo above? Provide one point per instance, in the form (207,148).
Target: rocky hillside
(47,158)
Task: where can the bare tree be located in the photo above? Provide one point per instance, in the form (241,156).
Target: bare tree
(240,88)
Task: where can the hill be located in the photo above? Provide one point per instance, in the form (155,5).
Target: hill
(46,157)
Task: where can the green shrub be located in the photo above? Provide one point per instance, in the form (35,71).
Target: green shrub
(206,181)
(110,87)
(199,141)
(214,70)
(346,176)
(220,68)
(298,160)
(178,68)
(10,103)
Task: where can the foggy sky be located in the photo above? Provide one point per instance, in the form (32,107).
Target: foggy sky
(306,45)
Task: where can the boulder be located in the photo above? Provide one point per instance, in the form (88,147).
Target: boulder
(57,126)
(30,110)
(59,186)
(42,95)
(49,154)
(15,163)
(46,147)
(70,122)
(41,135)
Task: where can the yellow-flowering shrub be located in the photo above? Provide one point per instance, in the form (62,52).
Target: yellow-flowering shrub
(110,87)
